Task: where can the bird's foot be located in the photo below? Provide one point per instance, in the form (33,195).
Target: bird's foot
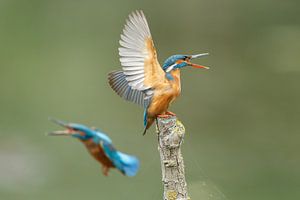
(166,115)
(170,113)
(163,116)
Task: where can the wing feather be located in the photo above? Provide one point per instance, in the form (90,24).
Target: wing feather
(141,72)
(135,77)
(129,73)
(138,55)
(120,85)
(135,68)
(132,59)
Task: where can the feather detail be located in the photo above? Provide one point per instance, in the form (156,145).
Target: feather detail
(127,164)
(138,55)
(120,85)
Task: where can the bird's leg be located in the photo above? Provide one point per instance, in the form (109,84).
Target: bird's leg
(105,170)
(170,113)
(166,114)
(163,116)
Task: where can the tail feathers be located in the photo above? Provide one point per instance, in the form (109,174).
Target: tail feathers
(145,131)
(127,164)
(148,124)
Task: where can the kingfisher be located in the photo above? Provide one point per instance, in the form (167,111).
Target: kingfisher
(100,147)
(142,80)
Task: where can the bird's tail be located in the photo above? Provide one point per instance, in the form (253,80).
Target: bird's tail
(130,164)
(127,164)
(145,131)
(148,124)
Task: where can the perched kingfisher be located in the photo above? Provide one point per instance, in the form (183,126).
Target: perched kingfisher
(142,80)
(100,147)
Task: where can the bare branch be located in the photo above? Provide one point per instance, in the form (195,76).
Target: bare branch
(170,137)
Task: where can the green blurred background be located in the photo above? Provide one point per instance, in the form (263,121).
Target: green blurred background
(242,116)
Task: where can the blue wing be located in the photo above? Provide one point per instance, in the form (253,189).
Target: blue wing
(118,82)
(127,164)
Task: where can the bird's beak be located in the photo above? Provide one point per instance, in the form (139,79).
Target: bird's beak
(196,65)
(67,131)
(60,133)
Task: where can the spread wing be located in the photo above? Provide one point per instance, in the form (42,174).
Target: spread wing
(117,81)
(138,58)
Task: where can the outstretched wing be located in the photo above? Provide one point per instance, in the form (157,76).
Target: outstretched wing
(118,82)
(138,55)
(127,164)
(141,70)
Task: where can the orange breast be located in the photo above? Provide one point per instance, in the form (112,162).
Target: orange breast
(97,152)
(164,95)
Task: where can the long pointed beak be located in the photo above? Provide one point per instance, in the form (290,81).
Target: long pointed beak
(198,56)
(60,132)
(59,122)
(198,66)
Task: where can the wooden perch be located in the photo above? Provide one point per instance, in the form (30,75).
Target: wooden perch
(170,137)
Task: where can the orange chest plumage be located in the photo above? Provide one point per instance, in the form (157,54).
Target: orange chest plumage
(165,94)
(97,152)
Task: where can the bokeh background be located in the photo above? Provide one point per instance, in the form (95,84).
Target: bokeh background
(242,116)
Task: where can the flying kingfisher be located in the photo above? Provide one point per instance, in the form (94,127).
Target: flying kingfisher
(142,80)
(100,147)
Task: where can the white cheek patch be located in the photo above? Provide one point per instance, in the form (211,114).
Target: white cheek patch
(170,68)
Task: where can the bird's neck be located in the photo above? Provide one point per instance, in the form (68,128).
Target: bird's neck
(173,75)
(176,75)
(175,82)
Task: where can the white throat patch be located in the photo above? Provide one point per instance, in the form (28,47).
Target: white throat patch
(171,67)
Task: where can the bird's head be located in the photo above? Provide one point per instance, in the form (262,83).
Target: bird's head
(72,129)
(180,61)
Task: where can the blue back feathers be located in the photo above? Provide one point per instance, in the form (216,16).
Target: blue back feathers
(127,164)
